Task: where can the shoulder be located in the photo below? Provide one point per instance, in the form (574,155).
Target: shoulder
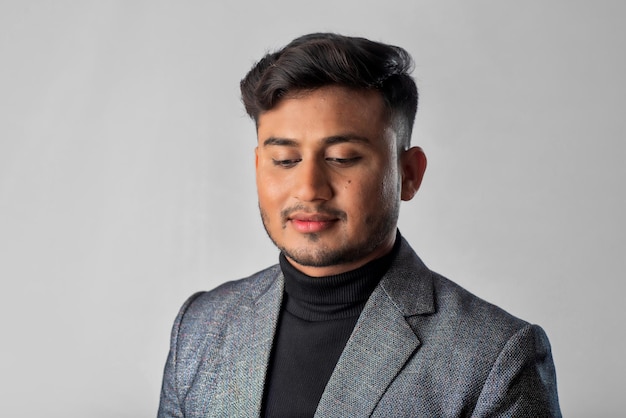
(455,303)
(445,314)
(480,343)
(417,290)
(484,329)
(215,305)
(471,347)
(201,328)
(204,318)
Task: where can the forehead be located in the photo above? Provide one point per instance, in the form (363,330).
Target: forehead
(326,111)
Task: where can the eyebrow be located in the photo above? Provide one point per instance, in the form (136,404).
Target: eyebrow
(285,142)
(335,139)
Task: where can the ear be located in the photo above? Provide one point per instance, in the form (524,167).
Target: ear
(413,165)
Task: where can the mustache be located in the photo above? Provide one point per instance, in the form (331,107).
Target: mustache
(321,210)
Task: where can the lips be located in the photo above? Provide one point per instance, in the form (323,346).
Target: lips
(311,222)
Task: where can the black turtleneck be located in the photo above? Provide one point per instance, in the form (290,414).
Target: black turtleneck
(316,319)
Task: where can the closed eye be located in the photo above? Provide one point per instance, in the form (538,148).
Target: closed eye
(344,162)
(286,163)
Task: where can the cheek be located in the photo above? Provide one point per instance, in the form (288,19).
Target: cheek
(268,187)
(363,196)
(391,182)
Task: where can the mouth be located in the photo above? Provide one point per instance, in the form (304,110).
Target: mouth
(311,222)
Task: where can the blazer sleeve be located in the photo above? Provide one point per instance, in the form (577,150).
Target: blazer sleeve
(170,404)
(522,381)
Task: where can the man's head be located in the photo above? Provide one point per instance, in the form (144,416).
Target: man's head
(321,59)
(333,125)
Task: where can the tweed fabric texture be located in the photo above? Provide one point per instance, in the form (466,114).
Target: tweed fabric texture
(422,347)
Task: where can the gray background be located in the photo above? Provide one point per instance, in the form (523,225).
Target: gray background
(127,181)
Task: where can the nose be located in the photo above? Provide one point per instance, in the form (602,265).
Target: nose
(312,181)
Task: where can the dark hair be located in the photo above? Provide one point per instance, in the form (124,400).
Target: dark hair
(320,59)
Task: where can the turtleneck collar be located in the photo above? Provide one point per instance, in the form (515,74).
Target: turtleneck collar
(333,297)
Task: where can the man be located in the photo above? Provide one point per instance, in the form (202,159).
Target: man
(350,323)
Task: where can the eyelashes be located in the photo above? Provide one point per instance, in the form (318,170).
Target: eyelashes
(345,162)
(286,163)
(339,162)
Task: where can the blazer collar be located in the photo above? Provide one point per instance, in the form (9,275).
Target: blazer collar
(409,283)
(251,339)
(382,340)
(379,346)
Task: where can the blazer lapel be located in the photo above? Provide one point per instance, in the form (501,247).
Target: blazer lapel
(251,342)
(382,340)
(380,344)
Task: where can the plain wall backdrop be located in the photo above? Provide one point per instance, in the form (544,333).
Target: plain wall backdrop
(127,178)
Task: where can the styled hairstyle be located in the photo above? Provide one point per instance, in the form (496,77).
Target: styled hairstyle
(321,59)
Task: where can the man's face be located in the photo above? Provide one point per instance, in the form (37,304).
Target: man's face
(328,178)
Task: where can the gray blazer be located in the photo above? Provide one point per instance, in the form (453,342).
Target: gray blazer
(422,347)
